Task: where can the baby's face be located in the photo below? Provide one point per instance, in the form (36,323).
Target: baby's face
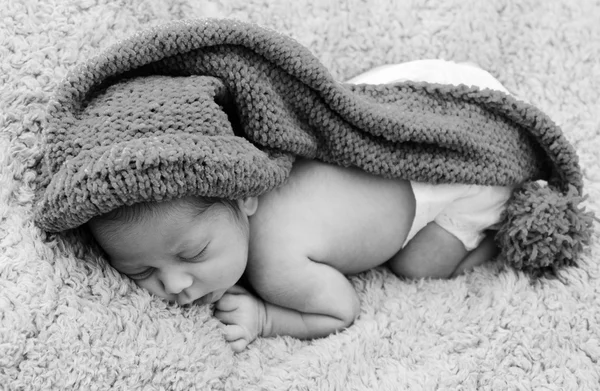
(179,255)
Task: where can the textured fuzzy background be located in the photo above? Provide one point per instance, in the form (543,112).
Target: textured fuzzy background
(68,322)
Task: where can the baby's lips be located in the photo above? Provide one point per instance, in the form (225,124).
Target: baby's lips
(206,299)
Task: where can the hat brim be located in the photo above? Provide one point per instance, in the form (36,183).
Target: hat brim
(158,169)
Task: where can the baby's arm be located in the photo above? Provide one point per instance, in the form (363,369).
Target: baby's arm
(436,253)
(302,298)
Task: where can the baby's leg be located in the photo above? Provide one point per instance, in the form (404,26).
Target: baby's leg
(432,252)
(486,250)
(436,253)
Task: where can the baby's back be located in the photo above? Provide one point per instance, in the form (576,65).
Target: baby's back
(343,217)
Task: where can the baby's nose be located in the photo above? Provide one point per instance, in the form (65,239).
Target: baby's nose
(175,282)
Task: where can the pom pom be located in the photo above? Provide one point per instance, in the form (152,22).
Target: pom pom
(543,229)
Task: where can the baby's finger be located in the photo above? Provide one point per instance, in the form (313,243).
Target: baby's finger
(234,332)
(239,345)
(237,290)
(226,303)
(237,337)
(226,317)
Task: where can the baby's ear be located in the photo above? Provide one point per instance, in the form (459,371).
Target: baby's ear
(248,205)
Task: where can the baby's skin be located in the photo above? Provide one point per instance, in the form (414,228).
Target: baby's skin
(295,244)
(328,222)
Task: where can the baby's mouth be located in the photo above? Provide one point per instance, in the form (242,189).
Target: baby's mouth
(206,299)
(209,298)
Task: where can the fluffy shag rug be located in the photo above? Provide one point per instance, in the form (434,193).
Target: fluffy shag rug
(67,321)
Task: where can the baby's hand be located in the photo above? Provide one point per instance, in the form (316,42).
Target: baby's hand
(243,316)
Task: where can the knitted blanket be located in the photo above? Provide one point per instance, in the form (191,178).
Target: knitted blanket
(221,108)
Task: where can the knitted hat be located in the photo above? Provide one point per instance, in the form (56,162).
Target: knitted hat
(221,108)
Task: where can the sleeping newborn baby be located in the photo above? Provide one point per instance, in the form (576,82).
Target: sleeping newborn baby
(297,243)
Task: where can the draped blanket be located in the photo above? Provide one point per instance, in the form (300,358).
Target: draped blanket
(222,108)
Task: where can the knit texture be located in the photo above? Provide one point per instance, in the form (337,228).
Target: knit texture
(221,108)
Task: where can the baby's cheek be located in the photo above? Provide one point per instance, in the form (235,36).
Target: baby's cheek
(153,285)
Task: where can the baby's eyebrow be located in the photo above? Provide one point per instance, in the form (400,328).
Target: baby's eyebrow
(195,243)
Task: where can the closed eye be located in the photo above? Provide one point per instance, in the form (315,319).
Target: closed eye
(198,257)
(143,275)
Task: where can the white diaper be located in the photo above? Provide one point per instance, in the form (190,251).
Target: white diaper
(465,211)
(432,71)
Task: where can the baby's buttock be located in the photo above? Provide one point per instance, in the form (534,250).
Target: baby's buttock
(463,210)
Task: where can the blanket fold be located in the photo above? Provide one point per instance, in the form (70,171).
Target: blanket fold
(222,108)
